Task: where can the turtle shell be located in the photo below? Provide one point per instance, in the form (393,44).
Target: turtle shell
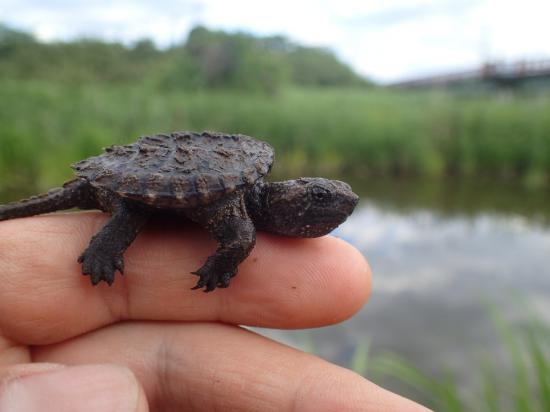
(181,169)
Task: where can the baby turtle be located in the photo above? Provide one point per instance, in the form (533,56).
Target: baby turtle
(213,179)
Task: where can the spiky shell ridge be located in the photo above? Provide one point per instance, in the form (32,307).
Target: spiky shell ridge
(181,169)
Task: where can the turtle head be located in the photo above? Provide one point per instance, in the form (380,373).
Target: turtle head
(306,207)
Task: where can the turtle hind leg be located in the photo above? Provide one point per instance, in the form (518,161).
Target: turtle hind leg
(103,257)
(76,193)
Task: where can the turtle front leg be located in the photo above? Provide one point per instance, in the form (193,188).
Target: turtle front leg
(103,257)
(235,232)
(236,237)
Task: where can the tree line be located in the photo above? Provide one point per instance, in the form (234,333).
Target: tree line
(206,59)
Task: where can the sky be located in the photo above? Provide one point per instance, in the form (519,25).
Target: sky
(387,41)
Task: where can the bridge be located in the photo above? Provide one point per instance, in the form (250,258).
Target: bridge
(504,74)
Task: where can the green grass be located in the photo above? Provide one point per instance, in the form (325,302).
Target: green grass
(337,132)
(519,381)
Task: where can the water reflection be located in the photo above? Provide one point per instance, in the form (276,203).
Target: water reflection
(435,273)
(440,253)
(425,253)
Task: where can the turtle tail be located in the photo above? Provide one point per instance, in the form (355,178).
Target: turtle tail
(73,194)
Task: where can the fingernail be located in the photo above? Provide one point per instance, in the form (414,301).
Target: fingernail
(88,388)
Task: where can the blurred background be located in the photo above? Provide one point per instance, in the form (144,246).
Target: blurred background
(437,112)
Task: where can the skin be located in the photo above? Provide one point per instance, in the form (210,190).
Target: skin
(149,343)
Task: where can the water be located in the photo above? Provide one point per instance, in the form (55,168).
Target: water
(441,254)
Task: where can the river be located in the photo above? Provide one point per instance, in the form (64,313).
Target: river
(442,255)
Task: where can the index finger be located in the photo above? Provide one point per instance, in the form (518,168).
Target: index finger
(284,283)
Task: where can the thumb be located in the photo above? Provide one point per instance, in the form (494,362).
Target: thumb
(86,388)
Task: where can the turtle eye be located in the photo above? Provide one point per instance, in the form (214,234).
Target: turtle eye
(320,193)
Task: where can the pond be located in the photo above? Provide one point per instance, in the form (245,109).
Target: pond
(442,254)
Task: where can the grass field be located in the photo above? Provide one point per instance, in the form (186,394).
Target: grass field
(336,132)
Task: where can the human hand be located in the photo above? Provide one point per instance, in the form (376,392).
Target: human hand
(150,343)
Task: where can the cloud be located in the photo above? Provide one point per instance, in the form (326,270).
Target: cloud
(387,40)
(166,21)
(394,15)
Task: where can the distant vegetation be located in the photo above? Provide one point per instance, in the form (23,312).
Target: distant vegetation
(208,59)
(60,102)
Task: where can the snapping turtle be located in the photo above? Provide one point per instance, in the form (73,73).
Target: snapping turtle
(213,179)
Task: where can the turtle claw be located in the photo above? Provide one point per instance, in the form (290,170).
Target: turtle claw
(100,266)
(210,280)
